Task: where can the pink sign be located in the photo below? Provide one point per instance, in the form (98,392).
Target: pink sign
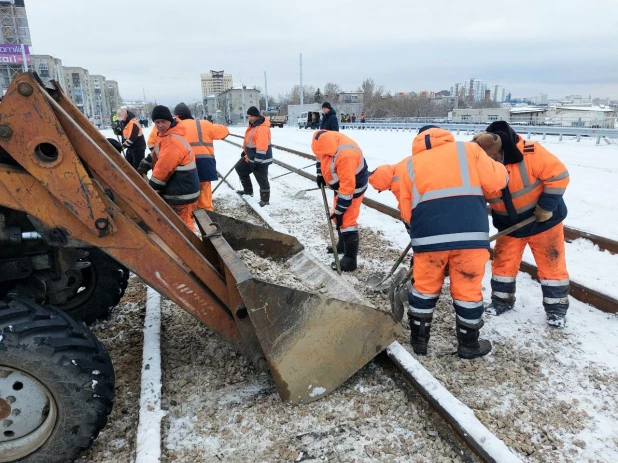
(11,53)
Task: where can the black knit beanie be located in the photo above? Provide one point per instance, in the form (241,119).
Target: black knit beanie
(162,112)
(253,111)
(182,111)
(326,104)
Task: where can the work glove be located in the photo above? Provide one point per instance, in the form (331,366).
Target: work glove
(144,167)
(256,167)
(338,218)
(541,214)
(320,181)
(242,154)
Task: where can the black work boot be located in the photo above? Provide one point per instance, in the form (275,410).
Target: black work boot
(340,248)
(470,346)
(264,198)
(348,261)
(420,328)
(556,314)
(247,187)
(499,305)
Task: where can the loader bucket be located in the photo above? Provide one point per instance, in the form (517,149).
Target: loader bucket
(312,341)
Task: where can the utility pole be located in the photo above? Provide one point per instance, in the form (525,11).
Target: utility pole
(24,57)
(302,90)
(244,110)
(265,91)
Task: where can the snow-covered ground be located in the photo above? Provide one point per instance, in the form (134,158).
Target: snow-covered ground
(550,395)
(574,368)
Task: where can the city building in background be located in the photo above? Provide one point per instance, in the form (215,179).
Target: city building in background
(48,68)
(100,99)
(215,82)
(77,86)
(113,95)
(14,33)
(231,107)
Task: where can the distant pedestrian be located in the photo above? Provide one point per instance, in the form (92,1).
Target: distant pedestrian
(329,120)
(363,117)
(353,117)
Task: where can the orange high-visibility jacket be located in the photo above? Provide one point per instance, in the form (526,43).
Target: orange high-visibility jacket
(445,186)
(538,178)
(388,177)
(127,132)
(174,173)
(201,134)
(152,139)
(257,142)
(341,162)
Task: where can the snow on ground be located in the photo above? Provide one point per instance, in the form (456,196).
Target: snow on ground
(549,394)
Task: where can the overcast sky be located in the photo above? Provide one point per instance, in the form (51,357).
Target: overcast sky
(162,46)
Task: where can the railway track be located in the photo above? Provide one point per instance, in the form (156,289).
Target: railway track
(579,291)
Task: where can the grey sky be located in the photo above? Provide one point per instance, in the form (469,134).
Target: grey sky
(529,46)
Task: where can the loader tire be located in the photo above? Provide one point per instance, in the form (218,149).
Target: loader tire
(104,284)
(61,372)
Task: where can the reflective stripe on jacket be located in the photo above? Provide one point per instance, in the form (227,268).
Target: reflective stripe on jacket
(444,187)
(174,173)
(200,134)
(257,142)
(341,162)
(540,178)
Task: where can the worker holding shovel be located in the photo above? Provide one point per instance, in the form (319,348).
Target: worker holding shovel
(342,167)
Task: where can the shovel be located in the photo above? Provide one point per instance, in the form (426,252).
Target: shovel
(379,282)
(402,276)
(302,193)
(292,172)
(226,175)
(330,229)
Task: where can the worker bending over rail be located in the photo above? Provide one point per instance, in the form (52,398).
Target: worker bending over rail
(174,172)
(537,182)
(445,186)
(201,134)
(342,167)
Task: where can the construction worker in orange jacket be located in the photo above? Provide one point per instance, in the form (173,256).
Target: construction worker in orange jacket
(132,137)
(174,173)
(201,135)
(388,177)
(258,155)
(342,167)
(446,185)
(537,182)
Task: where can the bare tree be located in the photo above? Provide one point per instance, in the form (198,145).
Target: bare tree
(331,92)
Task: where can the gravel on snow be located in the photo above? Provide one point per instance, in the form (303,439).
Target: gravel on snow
(542,405)
(123,338)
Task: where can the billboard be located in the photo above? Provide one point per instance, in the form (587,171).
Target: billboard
(18,3)
(11,53)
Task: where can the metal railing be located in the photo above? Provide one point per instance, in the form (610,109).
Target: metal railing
(515,119)
(527,130)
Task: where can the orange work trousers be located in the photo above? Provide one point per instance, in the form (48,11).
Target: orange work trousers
(466,269)
(205,199)
(547,249)
(350,216)
(185,212)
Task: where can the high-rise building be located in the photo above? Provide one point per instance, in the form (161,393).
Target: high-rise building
(79,90)
(233,103)
(14,31)
(498,94)
(113,95)
(101,100)
(48,68)
(215,82)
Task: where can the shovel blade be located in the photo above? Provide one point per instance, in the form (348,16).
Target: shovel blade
(378,281)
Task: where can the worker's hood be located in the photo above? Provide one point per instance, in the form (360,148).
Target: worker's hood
(431,138)
(382,178)
(325,143)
